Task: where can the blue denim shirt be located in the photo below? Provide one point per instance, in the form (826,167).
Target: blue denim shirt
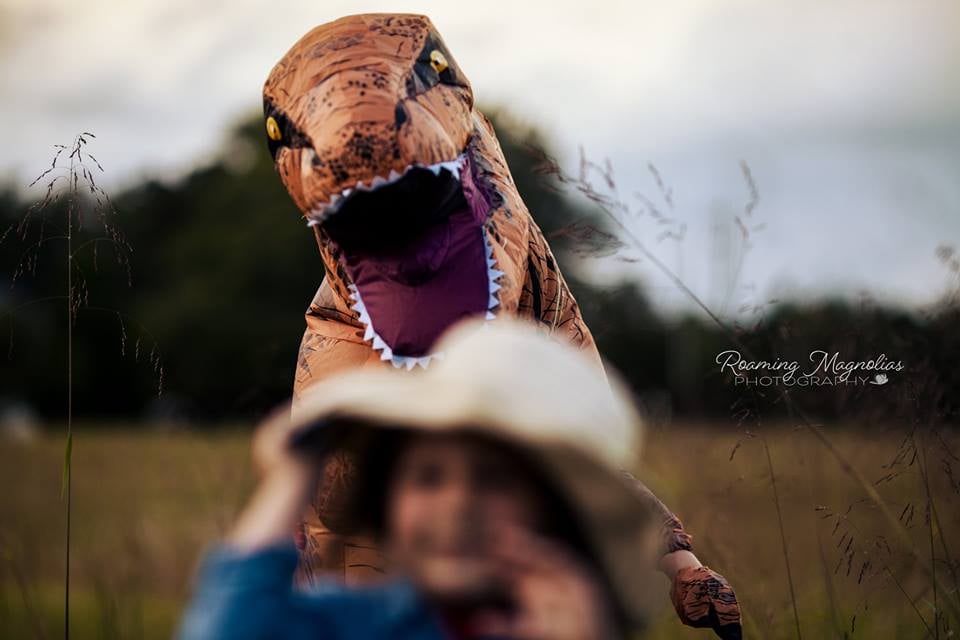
(243,596)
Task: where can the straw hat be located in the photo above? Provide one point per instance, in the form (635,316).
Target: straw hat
(520,387)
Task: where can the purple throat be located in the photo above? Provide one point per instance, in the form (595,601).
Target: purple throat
(417,252)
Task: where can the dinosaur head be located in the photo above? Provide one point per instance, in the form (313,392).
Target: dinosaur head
(370,120)
(360,101)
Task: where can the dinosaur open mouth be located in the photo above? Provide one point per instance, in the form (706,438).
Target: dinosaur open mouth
(415,247)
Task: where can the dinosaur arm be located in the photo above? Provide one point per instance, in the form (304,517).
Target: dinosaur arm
(673,537)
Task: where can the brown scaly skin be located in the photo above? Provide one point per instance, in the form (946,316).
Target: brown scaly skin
(704,598)
(358,98)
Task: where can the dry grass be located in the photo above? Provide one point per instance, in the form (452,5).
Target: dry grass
(871,554)
(147,503)
(729,505)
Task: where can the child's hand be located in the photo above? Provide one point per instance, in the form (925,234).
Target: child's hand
(271,448)
(554,593)
(289,480)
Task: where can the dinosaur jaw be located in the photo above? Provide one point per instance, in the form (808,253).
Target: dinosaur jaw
(417,253)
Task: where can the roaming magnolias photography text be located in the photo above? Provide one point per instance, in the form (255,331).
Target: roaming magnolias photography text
(825,369)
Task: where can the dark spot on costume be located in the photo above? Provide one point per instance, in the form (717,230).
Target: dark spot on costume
(340,173)
(399,115)
(535,285)
(334,44)
(404,27)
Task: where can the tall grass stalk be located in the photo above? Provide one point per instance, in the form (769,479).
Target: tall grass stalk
(71,191)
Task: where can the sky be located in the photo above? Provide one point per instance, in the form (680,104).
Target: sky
(846,112)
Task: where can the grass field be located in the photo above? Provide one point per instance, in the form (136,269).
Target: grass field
(146,503)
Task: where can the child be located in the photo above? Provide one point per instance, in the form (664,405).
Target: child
(498,495)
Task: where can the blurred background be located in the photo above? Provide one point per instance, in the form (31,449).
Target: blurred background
(794,164)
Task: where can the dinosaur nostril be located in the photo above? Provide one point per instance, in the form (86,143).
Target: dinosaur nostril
(399,115)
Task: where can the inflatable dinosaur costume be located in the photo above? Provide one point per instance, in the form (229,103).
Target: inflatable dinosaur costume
(374,133)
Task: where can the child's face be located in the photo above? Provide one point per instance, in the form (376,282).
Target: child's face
(448,498)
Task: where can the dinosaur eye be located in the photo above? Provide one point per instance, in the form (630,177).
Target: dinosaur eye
(438,61)
(273,129)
